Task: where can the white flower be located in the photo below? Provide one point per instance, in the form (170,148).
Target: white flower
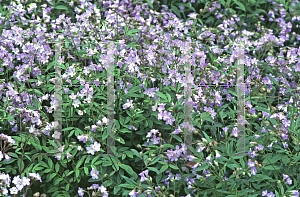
(56,135)
(80,112)
(105,120)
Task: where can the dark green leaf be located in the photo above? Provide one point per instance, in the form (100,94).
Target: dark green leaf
(175,10)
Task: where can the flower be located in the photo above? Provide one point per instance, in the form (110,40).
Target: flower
(235,132)
(128,104)
(285,176)
(94,173)
(251,164)
(142,174)
(80,191)
(208,158)
(289,181)
(217,155)
(56,135)
(192,15)
(253,171)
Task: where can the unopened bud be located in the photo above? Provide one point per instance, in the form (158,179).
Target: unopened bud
(268,91)
(215,143)
(36,194)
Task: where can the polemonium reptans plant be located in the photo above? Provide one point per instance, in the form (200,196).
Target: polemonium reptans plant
(149,65)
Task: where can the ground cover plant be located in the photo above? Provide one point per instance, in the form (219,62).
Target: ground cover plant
(150,56)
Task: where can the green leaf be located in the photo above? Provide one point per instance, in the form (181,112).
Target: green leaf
(67,187)
(272,168)
(131,32)
(129,181)
(169,97)
(175,10)
(95,159)
(153,169)
(129,170)
(155,160)
(206,136)
(273,80)
(50,163)
(174,167)
(161,95)
(76,173)
(150,3)
(136,153)
(52,176)
(86,170)
(164,168)
(80,162)
(176,137)
(52,189)
(47,170)
(242,7)
(56,167)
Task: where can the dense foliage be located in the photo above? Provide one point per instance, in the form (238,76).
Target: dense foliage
(150,40)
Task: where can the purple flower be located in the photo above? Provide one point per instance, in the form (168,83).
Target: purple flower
(192,15)
(249,104)
(155,140)
(263,130)
(259,147)
(253,171)
(264,193)
(270,146)
(252,153)
(178,177)
(177,130)
(142,174)
(161,107)
(235,132)
(208,158)
(266,114)
(270,194)
(94,174)
(285,176)
(251,164)
(252,111)
(128,104)
(225,129)
(217,155)
(82,138)
(285,145)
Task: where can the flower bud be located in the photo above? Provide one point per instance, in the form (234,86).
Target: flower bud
(149,160)
(268,91)
(36,194)
(259,114)
(262,89)
(43,195)
(141,153)
(254,116)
